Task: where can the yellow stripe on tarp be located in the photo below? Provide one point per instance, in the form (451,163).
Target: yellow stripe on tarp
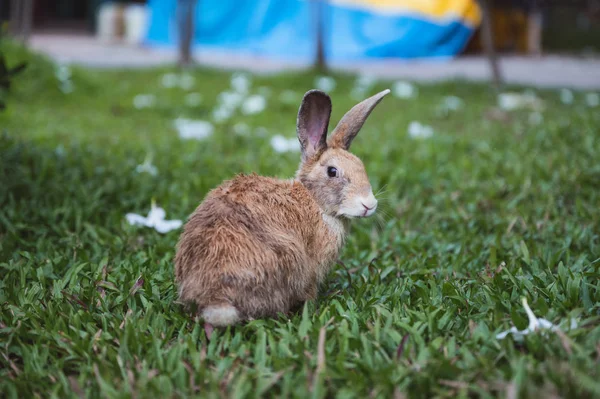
(466,10)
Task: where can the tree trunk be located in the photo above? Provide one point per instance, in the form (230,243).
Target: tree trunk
(534,30)
(487,37)
(320,63)
(186,12)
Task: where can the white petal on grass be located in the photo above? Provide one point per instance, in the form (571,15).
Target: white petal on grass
(534,325)
(240,82)
(169,80)
(453,103)
(144,101)
(67,87)
(402,89)
(511,101)
(241,129)
(358,93)
(186,82)
(227,103)
(63,73)
(254,105)
(155,220)
(325,83)
(222,113)
(416,130)
(193,129)
(361,88)
(592,100)
(230,99)
(366,80)
(147,167)
(536,118)
(566,96)
(283,144)
(449,104)
(60,150)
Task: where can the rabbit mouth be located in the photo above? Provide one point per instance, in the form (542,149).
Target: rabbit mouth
(365,213)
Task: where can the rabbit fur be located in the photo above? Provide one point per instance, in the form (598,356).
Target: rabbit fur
(260,246)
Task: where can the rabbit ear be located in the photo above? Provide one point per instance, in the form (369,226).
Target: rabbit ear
(312,123)
(353,121)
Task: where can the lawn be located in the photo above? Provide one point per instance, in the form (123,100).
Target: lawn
(492,208)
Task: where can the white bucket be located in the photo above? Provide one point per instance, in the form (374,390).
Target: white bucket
(136,23)
(107,22)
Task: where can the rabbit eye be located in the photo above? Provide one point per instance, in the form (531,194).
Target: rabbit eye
(332,172)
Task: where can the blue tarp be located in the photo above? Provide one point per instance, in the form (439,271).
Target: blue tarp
(284,28)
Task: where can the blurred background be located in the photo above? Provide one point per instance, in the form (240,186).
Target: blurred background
(116,119)
(287,33)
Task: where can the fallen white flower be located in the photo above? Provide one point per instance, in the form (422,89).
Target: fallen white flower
(325,83)
(362,86)
(169,80)
(366,80)
(144,101)
(155,219)
(67,87)
(147,167)
(566,96)
(592,100)
(63,73)
(240,82)
(222,113)
(418,131)
(193,99)
(193,129)
(227,103)
(254,105)
(241,129)
(403,89)
(230,99)
(60,150)
(186,82)
(535,118)
(534,324)
(283,144)
(358,93)
(512,101)
(453,103)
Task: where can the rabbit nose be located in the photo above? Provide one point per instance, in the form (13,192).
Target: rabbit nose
(369,203)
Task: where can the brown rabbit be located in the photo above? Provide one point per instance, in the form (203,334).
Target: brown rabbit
(258,246)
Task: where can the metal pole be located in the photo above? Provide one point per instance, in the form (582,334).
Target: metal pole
(186,14)
(320,62)
(487,36)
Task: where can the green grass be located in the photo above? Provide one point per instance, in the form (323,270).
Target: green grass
(473,219)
